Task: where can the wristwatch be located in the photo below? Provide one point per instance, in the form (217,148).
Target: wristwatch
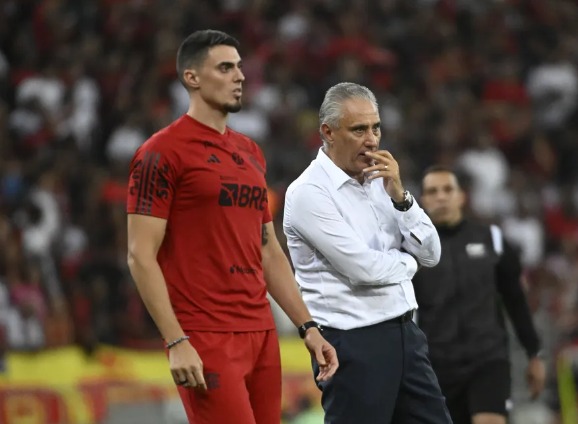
(405,204)
(309,324)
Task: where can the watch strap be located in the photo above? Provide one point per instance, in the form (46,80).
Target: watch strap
(405,204)
(306,326)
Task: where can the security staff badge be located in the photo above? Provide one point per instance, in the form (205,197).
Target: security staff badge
(476,250)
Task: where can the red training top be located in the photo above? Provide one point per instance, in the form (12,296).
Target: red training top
(211,189)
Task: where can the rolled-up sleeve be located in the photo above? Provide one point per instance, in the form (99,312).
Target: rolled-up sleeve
(315,217)
(420,235)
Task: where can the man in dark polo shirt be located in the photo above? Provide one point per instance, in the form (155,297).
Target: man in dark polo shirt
(461,303)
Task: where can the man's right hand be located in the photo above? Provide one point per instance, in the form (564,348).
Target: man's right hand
(186,366)
(536,376)
(323,353)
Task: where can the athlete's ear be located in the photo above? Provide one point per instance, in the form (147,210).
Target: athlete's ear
(191,78)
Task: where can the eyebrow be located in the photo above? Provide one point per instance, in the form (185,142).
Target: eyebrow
(443,187)
(229,64)
(364,126)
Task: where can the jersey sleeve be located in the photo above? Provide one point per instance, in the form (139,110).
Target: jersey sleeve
(267,215)
(152,178)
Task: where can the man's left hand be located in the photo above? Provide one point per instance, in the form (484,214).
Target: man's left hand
(536,375)
(323,353)
(386,167)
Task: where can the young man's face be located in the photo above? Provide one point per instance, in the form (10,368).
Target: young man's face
(358,133)
(442,198)
(220,79)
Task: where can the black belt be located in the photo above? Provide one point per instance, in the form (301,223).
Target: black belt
(408,316)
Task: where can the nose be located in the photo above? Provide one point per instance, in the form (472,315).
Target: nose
(239,76)
(440,196)
(372,140)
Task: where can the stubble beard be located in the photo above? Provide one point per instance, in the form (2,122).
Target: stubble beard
(233,107)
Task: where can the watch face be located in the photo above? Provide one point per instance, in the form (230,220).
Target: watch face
(406,203)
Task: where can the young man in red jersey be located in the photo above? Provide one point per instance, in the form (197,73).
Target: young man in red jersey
(203,252)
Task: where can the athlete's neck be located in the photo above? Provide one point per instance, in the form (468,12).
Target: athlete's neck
(210,117)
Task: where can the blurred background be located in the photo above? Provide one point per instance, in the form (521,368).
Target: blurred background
(487,86)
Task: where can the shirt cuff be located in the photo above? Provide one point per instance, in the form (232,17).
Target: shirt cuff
(411,217)
(410,263)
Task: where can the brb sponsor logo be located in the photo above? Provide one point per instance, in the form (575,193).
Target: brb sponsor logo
(243,196)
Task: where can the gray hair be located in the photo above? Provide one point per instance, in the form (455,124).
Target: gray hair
(330,112)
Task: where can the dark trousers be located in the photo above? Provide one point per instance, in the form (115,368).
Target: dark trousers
(384,377)
(483,388)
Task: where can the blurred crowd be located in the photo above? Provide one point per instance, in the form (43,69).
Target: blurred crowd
(489,87)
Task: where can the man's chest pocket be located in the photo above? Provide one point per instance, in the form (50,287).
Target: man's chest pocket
(476,267)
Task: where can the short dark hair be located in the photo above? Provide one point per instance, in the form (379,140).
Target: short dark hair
(194,49)
(460,177)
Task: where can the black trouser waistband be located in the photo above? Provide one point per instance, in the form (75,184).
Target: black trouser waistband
(406,317)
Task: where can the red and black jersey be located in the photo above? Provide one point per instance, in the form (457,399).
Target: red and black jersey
(211,189)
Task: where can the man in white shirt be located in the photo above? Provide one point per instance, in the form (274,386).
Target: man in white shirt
(356,238)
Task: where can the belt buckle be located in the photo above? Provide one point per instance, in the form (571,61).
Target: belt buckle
(407,316)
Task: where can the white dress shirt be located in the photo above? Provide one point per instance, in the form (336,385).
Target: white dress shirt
(345,241)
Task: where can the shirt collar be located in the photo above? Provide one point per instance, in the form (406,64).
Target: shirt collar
(337,176)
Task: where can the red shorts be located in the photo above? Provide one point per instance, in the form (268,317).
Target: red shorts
(243,375)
